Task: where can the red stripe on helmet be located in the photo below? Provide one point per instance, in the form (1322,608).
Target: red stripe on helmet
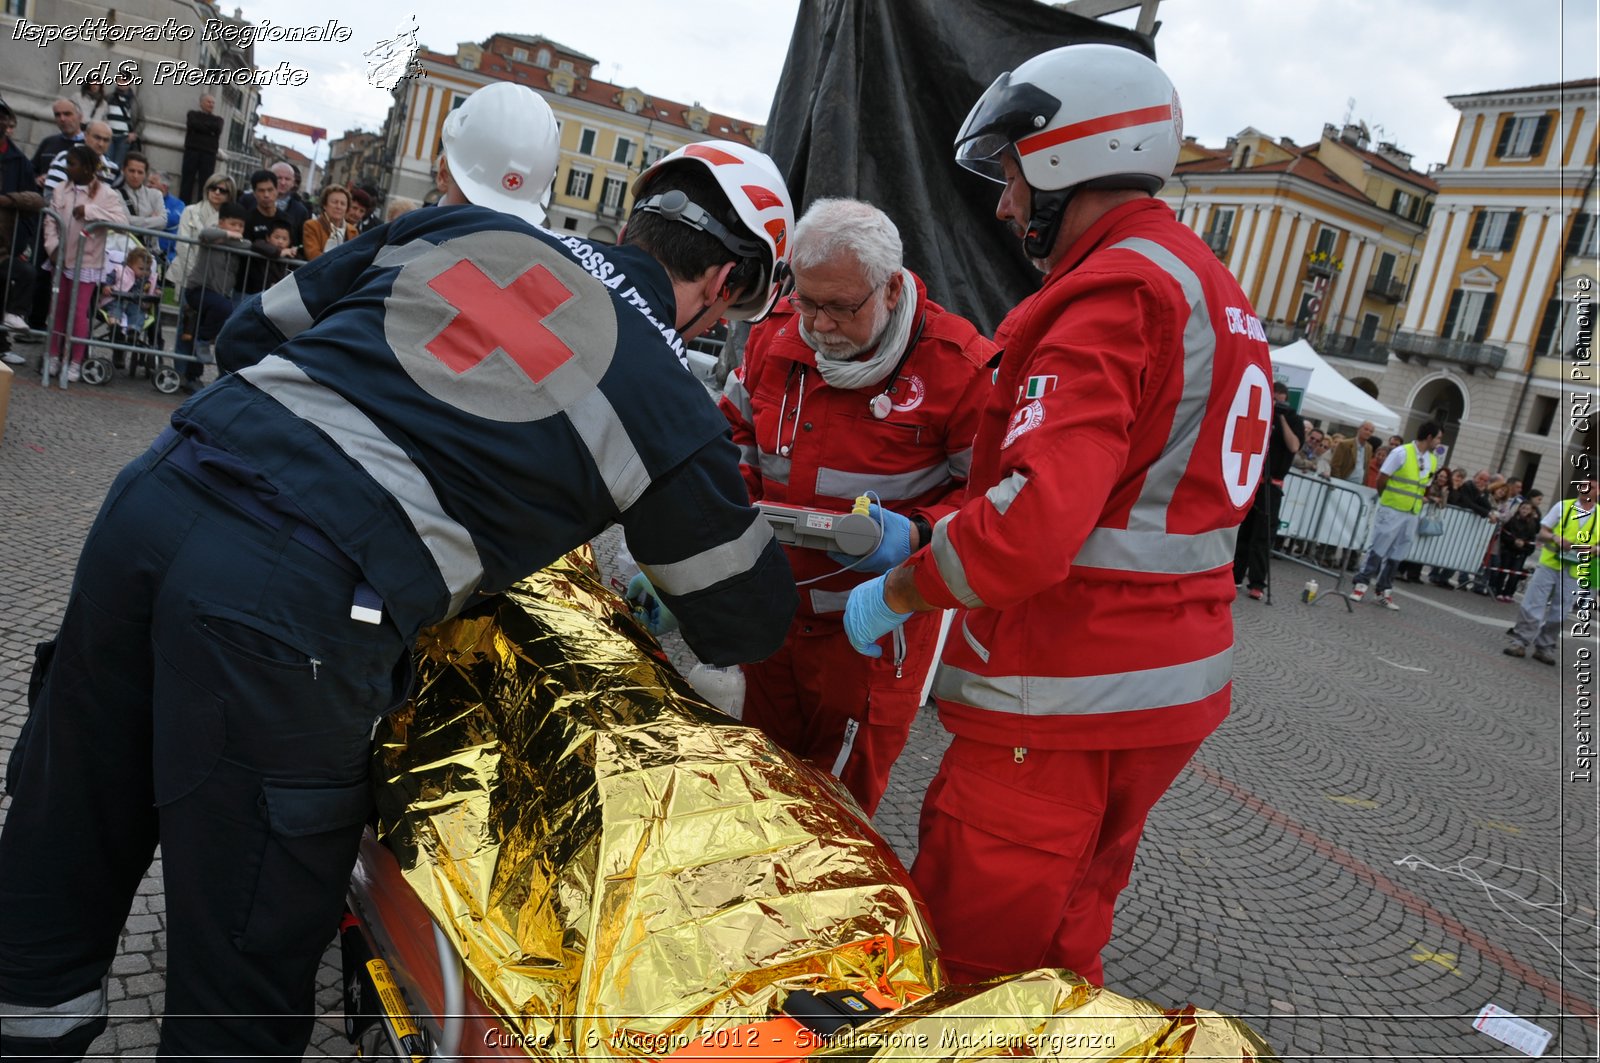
(1089,127)
(715,156)
(780,236)
(762,197)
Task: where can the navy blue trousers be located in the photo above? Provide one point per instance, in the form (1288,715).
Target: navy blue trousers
(210,693)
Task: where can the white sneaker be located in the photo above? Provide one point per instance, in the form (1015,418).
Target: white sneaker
(15,323)
(1388,603)
(52,366)
(13,358)
(74,373)
(1358,592)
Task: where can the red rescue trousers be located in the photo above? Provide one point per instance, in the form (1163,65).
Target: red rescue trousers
(1021,864)
(846,714)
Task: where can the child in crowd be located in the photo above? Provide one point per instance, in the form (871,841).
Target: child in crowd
(208,297)
(128,291)
(81,257)
(276,249)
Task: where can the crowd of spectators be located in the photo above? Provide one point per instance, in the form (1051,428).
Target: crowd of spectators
(1497,497)
(282,229)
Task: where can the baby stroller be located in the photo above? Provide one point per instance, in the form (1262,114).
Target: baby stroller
(128,313)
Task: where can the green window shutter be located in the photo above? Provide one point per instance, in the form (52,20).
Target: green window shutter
(1505,137)
(1450,314)
(1548,326)
(1478,217)
(1539,134)
(1483,318)
(1510,236)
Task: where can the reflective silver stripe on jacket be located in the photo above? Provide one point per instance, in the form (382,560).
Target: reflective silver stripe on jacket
(890,487)
(364,443)
(284,307)
(774,468)
(1087,695)
(960,464)
(733,390)
(1005,492)
(1149,511)
(1146,545)
(712,566)
(829,601)
(1154,551)
(612,449)
(951,570)
(56,1020)
(749,455)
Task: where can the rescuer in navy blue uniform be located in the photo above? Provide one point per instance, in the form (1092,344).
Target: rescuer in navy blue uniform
(420,416)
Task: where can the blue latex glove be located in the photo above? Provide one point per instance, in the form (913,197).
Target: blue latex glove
(894,548)
(648,608)
(867,617)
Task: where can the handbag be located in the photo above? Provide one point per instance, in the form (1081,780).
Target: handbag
(1430,526)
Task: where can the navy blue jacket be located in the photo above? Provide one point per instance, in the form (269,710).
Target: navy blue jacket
(457,398)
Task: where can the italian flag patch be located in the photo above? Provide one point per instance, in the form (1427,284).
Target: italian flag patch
(1036,387)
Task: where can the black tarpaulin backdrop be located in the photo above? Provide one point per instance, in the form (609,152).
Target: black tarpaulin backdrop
(872,95)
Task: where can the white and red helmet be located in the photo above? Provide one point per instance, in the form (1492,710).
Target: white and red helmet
(502,148)
(759,196)
(1087,114)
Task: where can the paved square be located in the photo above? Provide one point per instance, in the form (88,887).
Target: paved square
(1378,842)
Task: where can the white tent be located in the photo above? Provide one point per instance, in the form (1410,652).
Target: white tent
(1331,398)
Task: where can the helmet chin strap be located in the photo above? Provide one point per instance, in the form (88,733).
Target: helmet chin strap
(693,321)
(1045,222)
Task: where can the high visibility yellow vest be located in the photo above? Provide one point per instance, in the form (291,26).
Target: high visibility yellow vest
(1407,484)
(1574,529)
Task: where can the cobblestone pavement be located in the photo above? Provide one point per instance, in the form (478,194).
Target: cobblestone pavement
(1377,843)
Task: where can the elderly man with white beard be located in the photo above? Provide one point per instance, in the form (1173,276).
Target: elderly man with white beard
(858,384)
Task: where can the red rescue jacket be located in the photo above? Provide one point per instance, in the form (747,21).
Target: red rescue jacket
(916,458)
(1120,449)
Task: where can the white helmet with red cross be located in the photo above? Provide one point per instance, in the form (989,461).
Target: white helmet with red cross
(502,148)
(752,184)
(1099,115)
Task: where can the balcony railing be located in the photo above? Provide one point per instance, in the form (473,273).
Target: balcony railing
(1465,352)
(1355,348)
(1389,289)
(1319,268)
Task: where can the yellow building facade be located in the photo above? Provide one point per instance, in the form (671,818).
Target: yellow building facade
(609,133)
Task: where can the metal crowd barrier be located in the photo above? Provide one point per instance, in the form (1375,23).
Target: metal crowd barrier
(97,366)
(1331,522)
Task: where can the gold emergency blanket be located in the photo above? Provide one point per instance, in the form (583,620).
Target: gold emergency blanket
(626,870)
(622,867)
(1045,1015)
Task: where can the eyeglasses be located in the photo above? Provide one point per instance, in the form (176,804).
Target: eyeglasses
(835,312)
(216,188)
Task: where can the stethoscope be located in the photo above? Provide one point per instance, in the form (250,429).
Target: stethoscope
(880,405)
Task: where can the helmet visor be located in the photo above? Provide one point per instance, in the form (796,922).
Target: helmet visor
(1006,112)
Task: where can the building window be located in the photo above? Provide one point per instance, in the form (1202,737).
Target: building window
(578,182)
(1385,272)
(1468,316)
(1543,417)
(1326,239)
(623,152)
(631,104)
(1522,137)
(569,223)
(544,58)
(17,8)
(1558,329)
(1219,230)
(611,194)
(520,54)
(1581,241)
(566,64)
(1404,204)
(654,154)
(1494,230)
(586,142)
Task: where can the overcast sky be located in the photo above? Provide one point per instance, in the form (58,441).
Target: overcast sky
(1283,66)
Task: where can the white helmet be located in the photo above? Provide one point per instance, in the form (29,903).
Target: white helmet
(502,149)
(1096,114)
(751,182)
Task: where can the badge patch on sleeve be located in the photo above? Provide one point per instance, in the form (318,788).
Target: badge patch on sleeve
(1024,420)
(1037,387)
(1244,437)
